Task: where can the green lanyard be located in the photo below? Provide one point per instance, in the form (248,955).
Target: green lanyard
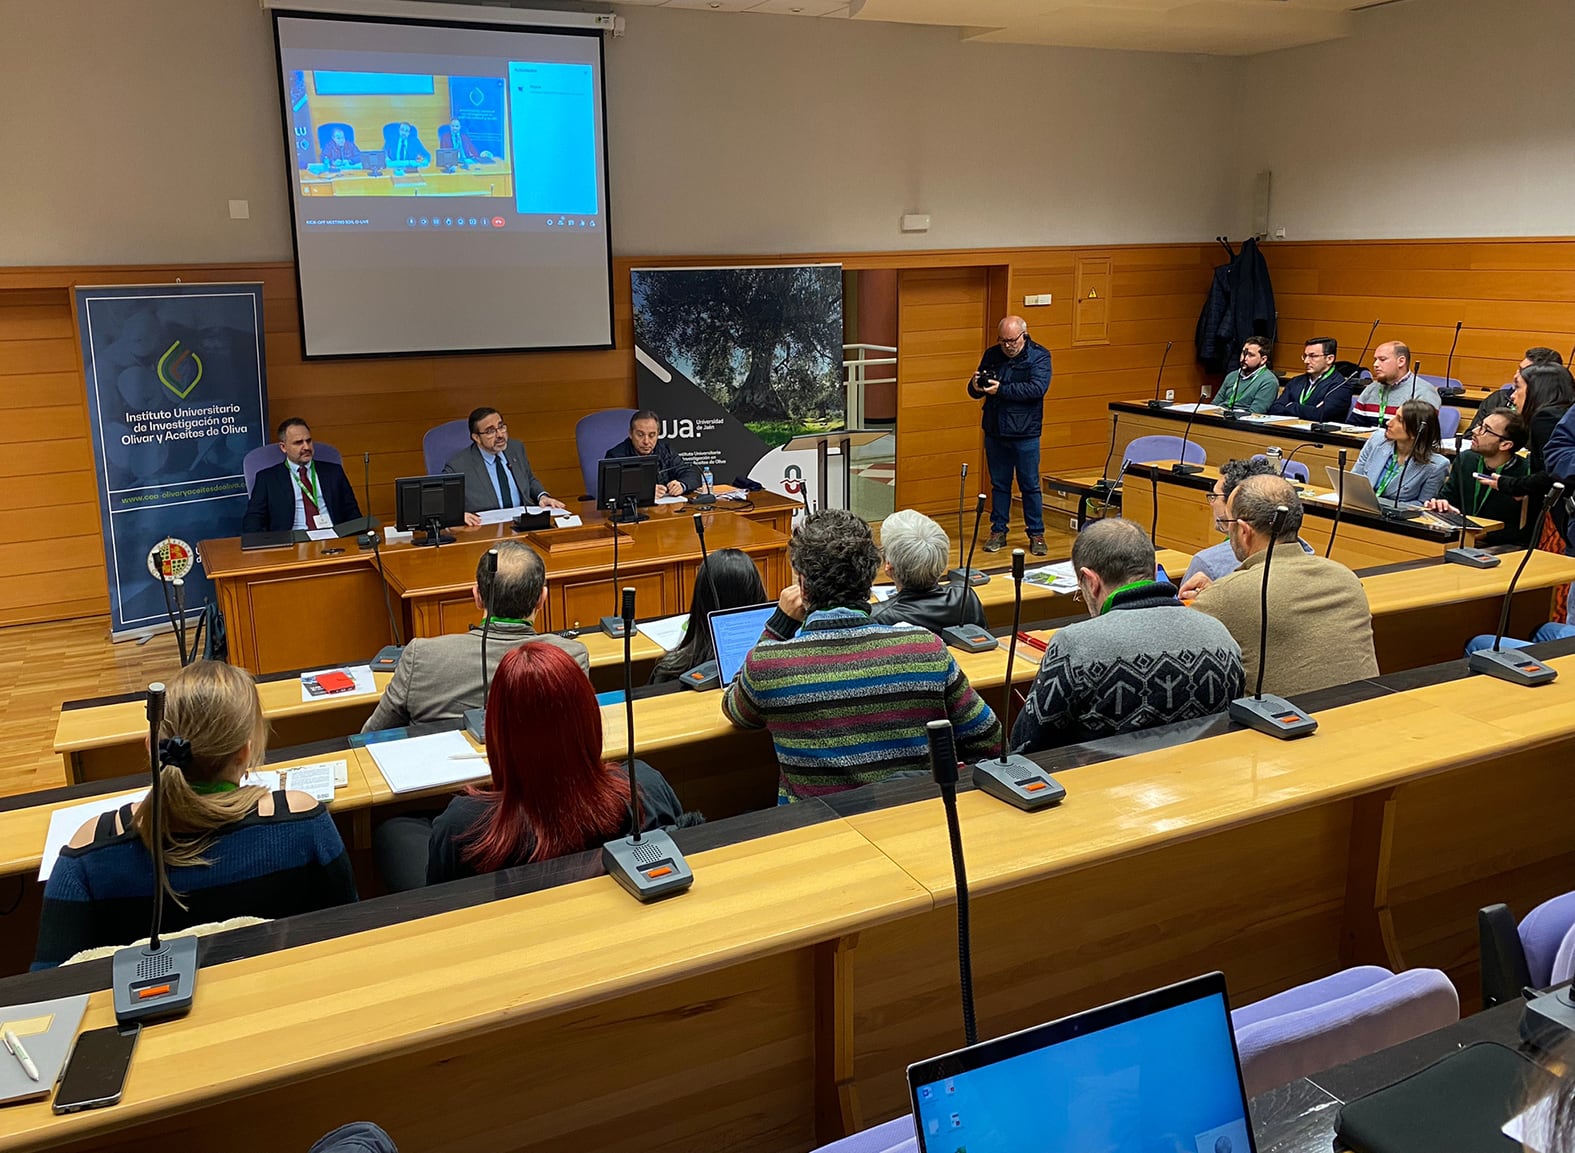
(1104,608)
(506,620)
(1235,389)
(207,788)
(1387,475)
(317,489)
(1313,387)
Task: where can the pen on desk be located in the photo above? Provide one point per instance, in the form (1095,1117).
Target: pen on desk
(467,756)
(14,1044)
(1033,641)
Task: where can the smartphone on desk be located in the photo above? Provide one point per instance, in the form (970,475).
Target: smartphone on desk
(95,1073)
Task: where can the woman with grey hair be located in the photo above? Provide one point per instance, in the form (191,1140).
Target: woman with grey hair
(914,553)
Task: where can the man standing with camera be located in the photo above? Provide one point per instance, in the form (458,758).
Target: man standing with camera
(1012,380)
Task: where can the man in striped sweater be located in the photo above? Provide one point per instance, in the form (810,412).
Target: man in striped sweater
(846,700)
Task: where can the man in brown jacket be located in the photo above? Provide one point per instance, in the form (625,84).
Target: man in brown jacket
(1320,626)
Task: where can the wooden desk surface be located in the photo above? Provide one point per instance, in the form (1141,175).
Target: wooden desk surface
(273,1021)
(1128,806)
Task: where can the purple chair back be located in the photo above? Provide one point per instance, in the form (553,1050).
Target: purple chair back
(594,435)
(1148,449)
(1337,1019)
(1542,931)
(1294,469)
(1448,421)
(895,1136)
(443,443)
(268,455)
(1446,385)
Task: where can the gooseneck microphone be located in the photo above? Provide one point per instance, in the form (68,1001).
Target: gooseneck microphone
(1339,502)
(1012,777)
(154,982)
(943,767)
(1284,464)
(649,865)
(967,571)
(970,638)
(1181,467)
(1513,664)
(613,625)
(1160,379)
(709,674)
(1449,364)
(1363,354)
(476,719)
(1104,483)
(1273,715)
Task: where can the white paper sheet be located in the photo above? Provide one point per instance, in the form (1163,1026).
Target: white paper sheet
(364,683)
(1532,1128)
(1203,406)
(669,632)
(500,515)
(883,593)
(1058,577)
(570,521)
(65,822)
(1266,418)
(561,517)
(318,779)
(672,500)
(428,762)
(321,534)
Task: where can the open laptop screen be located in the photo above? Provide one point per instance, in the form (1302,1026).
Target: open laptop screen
(733,633)
(1155,1072)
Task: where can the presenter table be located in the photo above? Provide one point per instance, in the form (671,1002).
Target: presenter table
(322,603)
(790,987)
(474,185)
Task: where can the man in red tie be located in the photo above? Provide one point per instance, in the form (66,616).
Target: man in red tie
(300,492)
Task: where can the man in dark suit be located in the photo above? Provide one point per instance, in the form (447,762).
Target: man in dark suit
(496,470)
(300,492)
(675,476)
(1319,394)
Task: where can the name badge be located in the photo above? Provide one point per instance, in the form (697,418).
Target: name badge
(322,520)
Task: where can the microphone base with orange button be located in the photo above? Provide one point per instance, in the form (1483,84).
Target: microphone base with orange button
(1018,781)
(1273,715)
(649,868)
(1511,665)
(154,984)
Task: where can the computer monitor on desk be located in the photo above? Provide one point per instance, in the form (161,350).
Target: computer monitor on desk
(430,504)
(626,484)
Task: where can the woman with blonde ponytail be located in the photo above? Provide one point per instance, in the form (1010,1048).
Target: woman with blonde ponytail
(230,850)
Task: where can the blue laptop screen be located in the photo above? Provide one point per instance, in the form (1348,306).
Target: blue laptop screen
(734,632)
(1167,1081)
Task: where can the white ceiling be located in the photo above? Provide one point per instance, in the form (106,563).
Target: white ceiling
(1214,27)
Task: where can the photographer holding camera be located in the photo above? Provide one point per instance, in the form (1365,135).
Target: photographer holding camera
(1012,379)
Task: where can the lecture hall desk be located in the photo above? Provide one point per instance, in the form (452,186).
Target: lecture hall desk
(786,992)
(304,606)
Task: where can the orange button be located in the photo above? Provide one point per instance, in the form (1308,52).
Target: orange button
(1291,718)
(1533,668)
(1033,787)
(155,991)
(661,871)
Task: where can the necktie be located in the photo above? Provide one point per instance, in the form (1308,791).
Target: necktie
(308,503)
(505,492)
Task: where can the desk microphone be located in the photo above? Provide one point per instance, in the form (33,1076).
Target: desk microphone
(1104,484)
(649,865)
(967,572)
(154,982)
(1450,363)
(367,537)
(1284,464)
(1012,777)
(1514,665)
(1469,555)
(1270,714)
(1158,380)
(969,638)
(476,719)
(179,586)
(1181,467)
(943,766)
(1339,502)
(613,625)
(708,675)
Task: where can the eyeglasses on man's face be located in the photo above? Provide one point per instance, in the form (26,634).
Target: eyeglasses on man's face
(492,430)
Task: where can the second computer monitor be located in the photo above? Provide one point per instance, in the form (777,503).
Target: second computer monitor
(430,504)
(625,484)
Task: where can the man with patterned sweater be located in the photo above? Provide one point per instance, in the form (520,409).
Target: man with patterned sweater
(846,700)
(1144,659)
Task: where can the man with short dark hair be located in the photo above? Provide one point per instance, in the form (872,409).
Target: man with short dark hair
(1012,380)
(438,678)
(846,700)
(1495,444)
(300,492)
(1319,394)
(1144,659)
(675,475)
(496,470)
(1394,382)
(1320,627)
(1249,388)
(1505,397)
(1217,560)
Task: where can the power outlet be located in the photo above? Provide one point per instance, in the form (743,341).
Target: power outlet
(1170,394)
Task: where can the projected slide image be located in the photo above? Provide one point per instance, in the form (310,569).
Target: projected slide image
(365,134)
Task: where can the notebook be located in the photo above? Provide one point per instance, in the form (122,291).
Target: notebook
(733,633)
(1156,1071)
(46,1030)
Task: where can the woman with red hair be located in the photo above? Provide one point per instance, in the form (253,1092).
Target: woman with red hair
(551,793)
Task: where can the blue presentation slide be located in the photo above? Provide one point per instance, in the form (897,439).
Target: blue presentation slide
(552,110)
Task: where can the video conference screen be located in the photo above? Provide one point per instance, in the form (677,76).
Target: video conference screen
(449,186)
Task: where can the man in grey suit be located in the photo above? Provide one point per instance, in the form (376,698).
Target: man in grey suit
(496,470)
(438,678)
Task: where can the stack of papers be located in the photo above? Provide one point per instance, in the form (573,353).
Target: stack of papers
(883,593)
(361,674)
(1265,418)
(561,517)
(317,780)
(1059,577)
(1202,406)
(430,762)
(669,632)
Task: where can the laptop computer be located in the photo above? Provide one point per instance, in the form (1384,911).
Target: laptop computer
(1156,1071)
(1360,497)
(733,633)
